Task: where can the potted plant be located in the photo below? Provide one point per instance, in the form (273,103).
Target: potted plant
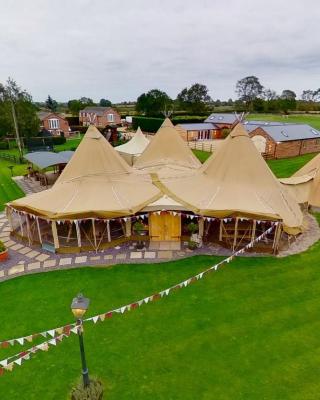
(139,229)
(4,255)
(192,228)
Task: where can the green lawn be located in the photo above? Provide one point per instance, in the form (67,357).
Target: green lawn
(8,188)
(249,331)
(313,120)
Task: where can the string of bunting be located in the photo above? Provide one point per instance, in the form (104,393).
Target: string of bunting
(58,334)
(185,283)
(19,358)
(142,216)
(70,327)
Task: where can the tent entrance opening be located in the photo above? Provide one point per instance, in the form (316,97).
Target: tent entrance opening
(164,227)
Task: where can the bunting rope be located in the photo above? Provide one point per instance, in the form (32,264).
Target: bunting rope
(58,334)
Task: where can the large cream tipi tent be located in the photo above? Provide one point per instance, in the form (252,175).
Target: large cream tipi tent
(236,181)
(96,182)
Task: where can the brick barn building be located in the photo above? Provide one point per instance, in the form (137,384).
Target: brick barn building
(99,116)
(198,131)
(282,140)
(54,123)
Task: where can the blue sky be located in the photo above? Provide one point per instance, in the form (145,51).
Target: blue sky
(119,49)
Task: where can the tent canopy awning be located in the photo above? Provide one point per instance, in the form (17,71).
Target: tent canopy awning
(45,159)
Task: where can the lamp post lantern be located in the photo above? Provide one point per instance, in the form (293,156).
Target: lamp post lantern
(79,306)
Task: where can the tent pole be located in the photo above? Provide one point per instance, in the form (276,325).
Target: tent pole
(276,239)
(220,230)
(108,231)
(55,234)
(94,234)
(128,227)
(78,233)
(38,227)
(201,227)
(9,216)
(253,232)
(21,225)
(235,236)
(28,229)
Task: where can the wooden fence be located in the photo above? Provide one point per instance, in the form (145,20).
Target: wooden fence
(206,145)
(11,157)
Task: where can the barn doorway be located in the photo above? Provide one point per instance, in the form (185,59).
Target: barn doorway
(260,142)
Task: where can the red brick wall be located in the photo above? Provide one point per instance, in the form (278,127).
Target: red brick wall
(101,121)
(63,125)
(287,149)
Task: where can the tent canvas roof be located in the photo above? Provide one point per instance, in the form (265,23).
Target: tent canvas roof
(136,145)
(312,168)
(236,181)
(45,159)
(96,182)
(167,149)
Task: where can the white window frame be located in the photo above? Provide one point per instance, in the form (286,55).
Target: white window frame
(54,123)
(110,117)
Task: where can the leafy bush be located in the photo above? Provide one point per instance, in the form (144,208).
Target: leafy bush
(59,140)
(138,227)
(2,247)
(93,392)
(192,245)
(73,120)
(4,145)
(192,227)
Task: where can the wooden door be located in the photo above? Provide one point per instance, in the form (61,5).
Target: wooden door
(164,227)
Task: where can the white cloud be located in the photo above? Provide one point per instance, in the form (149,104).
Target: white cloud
(118,49)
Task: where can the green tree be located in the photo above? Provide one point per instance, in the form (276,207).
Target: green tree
(287,101)
(194,99)
(105,103)
(51,104)
(14,100)
(153,103)
(248,89)
(74,106)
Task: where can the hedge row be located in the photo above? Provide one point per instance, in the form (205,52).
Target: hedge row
(4,145)
(44,141)
(149,124)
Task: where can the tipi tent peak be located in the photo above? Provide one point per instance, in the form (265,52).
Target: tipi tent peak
(134,147)
(167,150)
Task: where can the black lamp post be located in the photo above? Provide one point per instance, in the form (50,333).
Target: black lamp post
(79,306)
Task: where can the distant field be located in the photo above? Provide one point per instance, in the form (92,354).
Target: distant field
(313,120)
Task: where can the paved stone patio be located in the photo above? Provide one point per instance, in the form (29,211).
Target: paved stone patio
(27,259)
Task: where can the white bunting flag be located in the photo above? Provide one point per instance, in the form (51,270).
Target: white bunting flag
(95,318)
(52,332)
(18,361)
(4,363)
(20,340)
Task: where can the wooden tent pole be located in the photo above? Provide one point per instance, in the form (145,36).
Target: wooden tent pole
(235,236)
(108,231)
(220,230)
(94,234)
(128,227)
(28,229)
(9,216)
(201,227)
(55,234)
(253,233)
(276,238)
(21,225)
(39,231)
(78,233)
